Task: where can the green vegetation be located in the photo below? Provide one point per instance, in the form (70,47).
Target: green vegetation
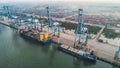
(109,33)
(68,25)
(93,29)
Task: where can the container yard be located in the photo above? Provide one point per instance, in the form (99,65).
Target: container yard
(78,45)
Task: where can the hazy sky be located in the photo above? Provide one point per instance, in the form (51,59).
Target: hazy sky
(98,1)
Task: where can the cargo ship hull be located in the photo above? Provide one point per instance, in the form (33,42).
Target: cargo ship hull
(77,55)
(35,39)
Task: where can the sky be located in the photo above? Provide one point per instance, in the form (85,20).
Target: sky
(97,1)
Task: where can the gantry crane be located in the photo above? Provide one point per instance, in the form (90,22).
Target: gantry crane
(117,56)
(54,27)
(6,8)
(50,23)
(41,24)
(81,32)
(9,15)
(33,22)
(12,19)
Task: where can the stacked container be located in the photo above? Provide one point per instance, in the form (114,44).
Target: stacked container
(41,36)
(46,36)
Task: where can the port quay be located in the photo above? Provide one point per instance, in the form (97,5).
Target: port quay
(104,52)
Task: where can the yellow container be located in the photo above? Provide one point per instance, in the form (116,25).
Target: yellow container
(46,35)
(41,37)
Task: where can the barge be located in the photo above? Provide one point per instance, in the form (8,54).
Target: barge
(84,54)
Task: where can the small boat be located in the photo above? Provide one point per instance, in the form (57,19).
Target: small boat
(84,54)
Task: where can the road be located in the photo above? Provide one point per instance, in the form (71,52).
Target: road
(99,33)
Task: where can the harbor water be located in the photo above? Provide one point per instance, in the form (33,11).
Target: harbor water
(18,52)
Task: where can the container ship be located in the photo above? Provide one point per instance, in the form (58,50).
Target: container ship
(84,54)
(36,35)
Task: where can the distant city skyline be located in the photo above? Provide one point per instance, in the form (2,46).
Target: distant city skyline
(95,1)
